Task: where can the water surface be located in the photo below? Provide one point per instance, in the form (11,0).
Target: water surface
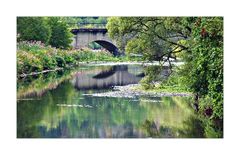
(61,106)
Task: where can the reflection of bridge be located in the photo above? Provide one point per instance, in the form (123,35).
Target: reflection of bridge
(84,36)
(117,75)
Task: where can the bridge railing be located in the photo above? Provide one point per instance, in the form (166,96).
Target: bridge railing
(87,25)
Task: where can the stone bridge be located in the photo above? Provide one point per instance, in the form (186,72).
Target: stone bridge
(84,36)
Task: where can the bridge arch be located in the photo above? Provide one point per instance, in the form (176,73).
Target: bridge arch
(108,46)
(84,36)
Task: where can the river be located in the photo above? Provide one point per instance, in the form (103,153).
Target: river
(61,105)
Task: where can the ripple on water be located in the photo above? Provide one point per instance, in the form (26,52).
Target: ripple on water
(75,105)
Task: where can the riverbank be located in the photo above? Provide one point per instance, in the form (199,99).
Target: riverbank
(35,57)
(123,61)
(134,90)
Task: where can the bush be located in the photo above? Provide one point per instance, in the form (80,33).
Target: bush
(48,62)
(152,75)
(27,62)
(60,61)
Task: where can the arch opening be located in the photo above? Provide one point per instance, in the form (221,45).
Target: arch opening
(108,46)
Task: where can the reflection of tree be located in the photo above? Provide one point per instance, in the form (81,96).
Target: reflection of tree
(166,132)
(151,128)
(41,117)
(175,118)
(169,111)
(104,117)
(108,117)
(37,86)
(28,117)
(193,128)
(213,128)
(33,113)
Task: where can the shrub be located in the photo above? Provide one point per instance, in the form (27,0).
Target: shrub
(152,75)
(48,62)
(60,61)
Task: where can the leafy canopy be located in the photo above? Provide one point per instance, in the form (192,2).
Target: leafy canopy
(153,37)
(49,30)
(198,41)
(61,35)
(33,29)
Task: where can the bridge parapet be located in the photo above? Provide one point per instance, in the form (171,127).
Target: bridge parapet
(87,25)
(94,30)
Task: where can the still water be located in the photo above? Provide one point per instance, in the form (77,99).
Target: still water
(60,105)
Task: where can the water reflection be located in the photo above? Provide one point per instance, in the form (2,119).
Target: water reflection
(109,117)
(113,76)
(66,112)
(192,128)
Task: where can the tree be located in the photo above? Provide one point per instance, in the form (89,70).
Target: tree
(74,22)
(204,63)
(154,37)
(61,35)
(199,40)
(33,29)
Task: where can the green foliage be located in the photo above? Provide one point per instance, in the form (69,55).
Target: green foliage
(198,41)
(74,21)
(61,35)
(94,45)
(148,82)
(155,82)
(153,37)
(48,62)
(206,62)
(33,29)
(60,61)
(113,27)
(35,57)
(88,55)
(173,83)
(48,30)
